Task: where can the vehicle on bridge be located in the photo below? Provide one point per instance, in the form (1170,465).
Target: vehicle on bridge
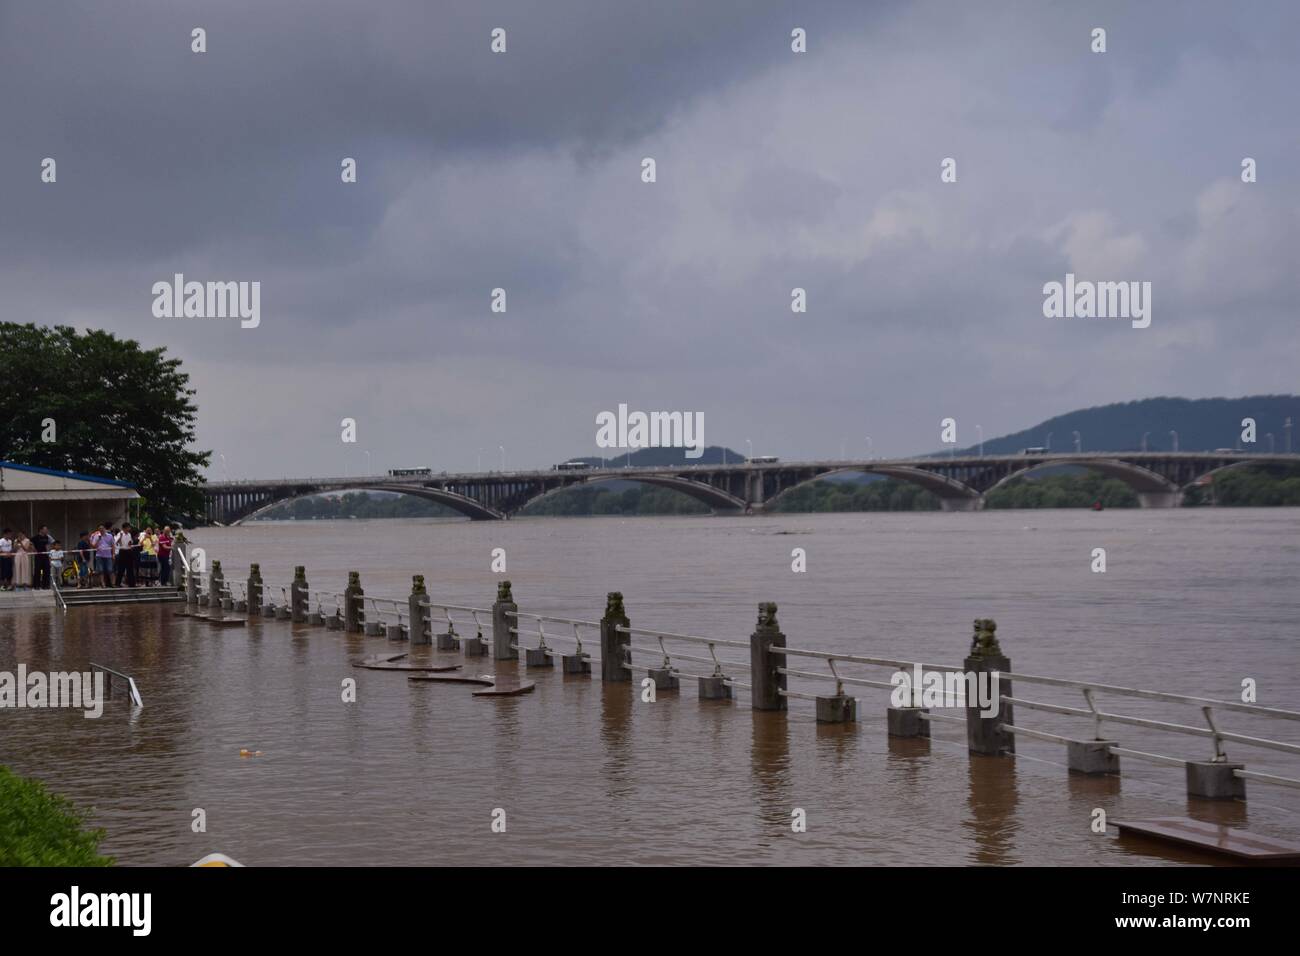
(574,465)
(408,472)
(1039,450)
(763,460)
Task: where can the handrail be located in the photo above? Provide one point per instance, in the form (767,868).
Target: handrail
(130,683)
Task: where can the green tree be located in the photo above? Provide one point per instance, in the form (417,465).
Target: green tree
(119,411)
(38,828)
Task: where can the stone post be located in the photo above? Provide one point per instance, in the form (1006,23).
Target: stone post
(254,590)
(216,583)
(420,630)
(354,614)
(983,735)
(614,643)
(502,621)
(191,584)
(299,596)
(767,683)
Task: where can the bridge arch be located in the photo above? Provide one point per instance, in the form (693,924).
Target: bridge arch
(715,498)
(953,495)
(1153,490)
(457,502)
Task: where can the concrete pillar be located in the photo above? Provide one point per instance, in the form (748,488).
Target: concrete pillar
(1091,756)
(763,664)
(982,733)
(191,588)
(908,722)
(837,709)
(502,622)
(714,688)
(664,678)
(614,643)
(575,664)
(299,596)
(1215,781)
(254,590)
(354,612)
(419,612)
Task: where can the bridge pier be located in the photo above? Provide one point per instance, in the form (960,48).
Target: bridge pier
(962,504)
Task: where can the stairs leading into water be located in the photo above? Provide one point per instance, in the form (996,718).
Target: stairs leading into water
(84,597)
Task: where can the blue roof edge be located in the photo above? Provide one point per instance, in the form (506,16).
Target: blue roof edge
(66,474)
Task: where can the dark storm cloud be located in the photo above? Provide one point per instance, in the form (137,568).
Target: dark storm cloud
(775,171)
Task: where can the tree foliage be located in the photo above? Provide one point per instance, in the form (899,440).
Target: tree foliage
(119,411)
(38,828)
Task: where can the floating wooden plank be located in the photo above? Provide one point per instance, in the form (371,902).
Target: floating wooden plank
(493,686)
(395,666)
(1215,837)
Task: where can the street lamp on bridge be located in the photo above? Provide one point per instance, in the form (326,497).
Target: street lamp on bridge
(750,445)
(503,456)
(1269,436)
(1174,435)
(1048,446)
(980,431)
(1078,441)
(1145,435)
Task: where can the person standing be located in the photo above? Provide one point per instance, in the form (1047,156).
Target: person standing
(41,559)
(148,557)
(85,559)
(126,556)
(105,551)
(23,562)
(165,556)
(6,560)
(56,563)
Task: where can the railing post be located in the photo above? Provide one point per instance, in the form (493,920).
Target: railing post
(353,612)
(765,691)
(614,652)
(502,622)
(420,630)
(299,596)
(984,735)
(254,590)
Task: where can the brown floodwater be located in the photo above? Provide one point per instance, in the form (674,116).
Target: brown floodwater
(1192,601)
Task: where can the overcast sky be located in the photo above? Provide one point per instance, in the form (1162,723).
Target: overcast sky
(775,170)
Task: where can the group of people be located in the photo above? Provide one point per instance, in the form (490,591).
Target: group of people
(113,555)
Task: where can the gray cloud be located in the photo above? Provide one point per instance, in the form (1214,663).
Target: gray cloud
(775,171)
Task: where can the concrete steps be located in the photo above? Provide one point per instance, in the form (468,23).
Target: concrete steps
(84,597)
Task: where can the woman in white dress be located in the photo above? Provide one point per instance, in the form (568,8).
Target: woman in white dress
(23,562)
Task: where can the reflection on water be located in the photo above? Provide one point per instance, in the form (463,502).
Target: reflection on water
(588,773)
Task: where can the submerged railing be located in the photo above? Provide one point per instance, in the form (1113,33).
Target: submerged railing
(980,689)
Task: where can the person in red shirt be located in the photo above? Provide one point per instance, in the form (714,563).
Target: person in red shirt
(165,540)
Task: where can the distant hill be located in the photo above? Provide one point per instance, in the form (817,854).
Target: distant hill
(1202,424)
(654,457)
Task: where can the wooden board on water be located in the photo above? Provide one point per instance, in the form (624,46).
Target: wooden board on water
(492,686)
(1214,837)
(393,666)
